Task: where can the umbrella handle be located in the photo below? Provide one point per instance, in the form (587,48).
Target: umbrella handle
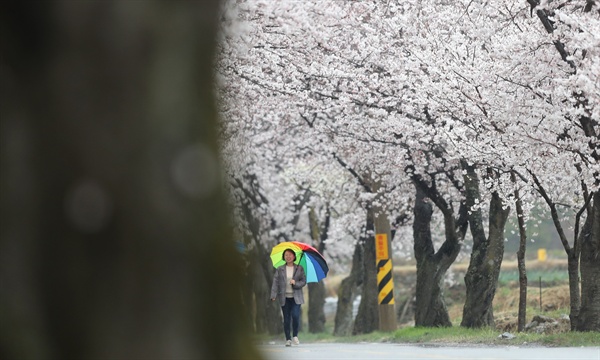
(296,269)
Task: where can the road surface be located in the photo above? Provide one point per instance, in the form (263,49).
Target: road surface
(379,351)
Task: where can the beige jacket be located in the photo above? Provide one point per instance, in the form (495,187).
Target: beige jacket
(279,282)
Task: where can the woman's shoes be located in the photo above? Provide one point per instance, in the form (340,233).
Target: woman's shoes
(294,341)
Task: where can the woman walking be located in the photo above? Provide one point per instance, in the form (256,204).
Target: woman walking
(288,281)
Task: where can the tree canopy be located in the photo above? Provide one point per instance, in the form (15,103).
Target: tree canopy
(313,91)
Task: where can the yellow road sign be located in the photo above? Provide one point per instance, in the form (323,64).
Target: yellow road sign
(381,247)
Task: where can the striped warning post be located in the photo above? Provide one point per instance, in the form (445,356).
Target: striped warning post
(385,285)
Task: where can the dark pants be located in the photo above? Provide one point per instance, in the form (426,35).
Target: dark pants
(291,314)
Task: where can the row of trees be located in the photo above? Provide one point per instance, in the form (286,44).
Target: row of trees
(436,119)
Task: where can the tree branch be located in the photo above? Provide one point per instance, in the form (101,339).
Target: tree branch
(360,180)
(554,212)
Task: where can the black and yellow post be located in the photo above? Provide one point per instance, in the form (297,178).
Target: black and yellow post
(385,284)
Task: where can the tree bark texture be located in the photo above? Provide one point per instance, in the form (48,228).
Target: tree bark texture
(522,317)
(268,317)
(431,267)
(316,303)
(486,257)
(589,315)
(268,314)
(484,268)
(343,322)
(574,289)
(347,292)
(367,319)
(109,132)
(316,291)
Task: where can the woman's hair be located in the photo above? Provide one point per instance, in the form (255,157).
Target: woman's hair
(286,250)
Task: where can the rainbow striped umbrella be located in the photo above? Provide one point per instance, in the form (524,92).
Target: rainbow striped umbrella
(311,260)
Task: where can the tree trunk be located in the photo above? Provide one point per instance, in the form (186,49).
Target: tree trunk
(343,315)
(316,303)
(367,319)
(431,267)
(268,317)
(316,291)
(589,316)
(486,257)
(127,244)
(484,268)
(573,253)
(522,317)
(347,293)
(574,290)
(431,310)
(585,314)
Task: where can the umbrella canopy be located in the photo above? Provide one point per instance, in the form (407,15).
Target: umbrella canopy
(311,260)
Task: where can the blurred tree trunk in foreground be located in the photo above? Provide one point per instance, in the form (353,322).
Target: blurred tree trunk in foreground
(115,240)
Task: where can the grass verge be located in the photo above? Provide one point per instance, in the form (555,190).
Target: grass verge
(454,336)
(487,336)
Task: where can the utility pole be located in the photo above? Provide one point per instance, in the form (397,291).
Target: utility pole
(385,282)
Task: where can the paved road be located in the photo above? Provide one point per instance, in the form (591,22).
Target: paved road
(379,351)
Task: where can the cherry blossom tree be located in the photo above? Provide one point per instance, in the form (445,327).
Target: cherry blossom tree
(434,99)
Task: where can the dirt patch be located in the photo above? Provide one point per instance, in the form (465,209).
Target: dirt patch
(555,300)
(555,303)
(550,299)
(507,322)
